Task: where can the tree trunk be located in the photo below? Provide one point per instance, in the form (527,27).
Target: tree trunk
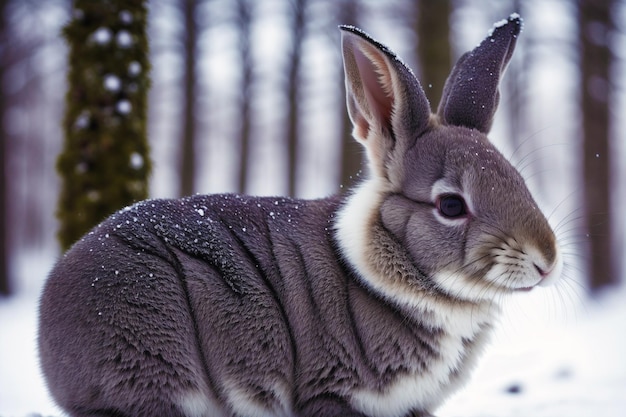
(104,164)
(187,160)
(293,88)
(594,19)
(244,15)
(433,46)
(5,287)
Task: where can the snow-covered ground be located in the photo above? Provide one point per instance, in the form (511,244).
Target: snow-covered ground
(556,354)
(22,390)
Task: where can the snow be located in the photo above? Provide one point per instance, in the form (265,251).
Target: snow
(126,17)
(556,353)
(544,366)
(134,68)
(124,39)
(503,22)
(136,161)
(82,121)
(22,390)
(123,106)
(112,83)
(102,36)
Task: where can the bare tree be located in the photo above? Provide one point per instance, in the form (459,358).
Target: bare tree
(187,161)
(104,164)
(244,17)
(433,45)
(298,8)
(595,26)
(30,102)
(5,288)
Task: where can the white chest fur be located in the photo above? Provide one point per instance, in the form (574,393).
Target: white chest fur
(427,389)
(465,326)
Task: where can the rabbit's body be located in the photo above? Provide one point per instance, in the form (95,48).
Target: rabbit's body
(373,304)
(290,324)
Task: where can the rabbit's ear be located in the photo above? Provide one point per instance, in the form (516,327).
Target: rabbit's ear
(385,101)
(470,96)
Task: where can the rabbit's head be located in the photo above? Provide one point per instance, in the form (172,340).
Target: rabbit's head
(442,211)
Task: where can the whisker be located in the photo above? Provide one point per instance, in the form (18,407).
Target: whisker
(525,162)
(560,204)
(525,141)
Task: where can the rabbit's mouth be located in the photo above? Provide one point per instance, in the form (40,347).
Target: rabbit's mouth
(547,277)
(521,266)
(510,271)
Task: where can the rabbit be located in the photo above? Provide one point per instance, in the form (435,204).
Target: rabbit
(375,303)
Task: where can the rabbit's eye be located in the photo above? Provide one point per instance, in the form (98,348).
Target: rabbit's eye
(451,206)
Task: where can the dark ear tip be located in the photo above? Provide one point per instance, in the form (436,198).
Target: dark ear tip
(358,32)
(355,30)
(347,28)
(366,36)
(513,24)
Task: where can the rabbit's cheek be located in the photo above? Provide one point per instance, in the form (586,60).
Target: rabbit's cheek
(432,245)
(395,214)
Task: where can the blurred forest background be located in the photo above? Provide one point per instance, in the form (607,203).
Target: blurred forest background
(247,96)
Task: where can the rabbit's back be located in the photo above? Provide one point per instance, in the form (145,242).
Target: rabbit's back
(116,330)
(192,306)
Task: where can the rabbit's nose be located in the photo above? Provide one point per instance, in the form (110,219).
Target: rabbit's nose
(550,274)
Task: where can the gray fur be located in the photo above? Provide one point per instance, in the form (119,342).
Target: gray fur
(470,96)
(367,305)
